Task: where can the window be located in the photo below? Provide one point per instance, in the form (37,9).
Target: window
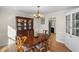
(11,35)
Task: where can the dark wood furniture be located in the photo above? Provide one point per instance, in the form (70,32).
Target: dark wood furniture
(39,44)
(25,28)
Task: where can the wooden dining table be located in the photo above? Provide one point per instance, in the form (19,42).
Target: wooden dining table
(32,42)
(40,39)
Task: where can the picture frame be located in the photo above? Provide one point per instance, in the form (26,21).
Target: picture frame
(42,20)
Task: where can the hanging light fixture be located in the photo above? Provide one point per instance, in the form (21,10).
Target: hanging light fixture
(38,14)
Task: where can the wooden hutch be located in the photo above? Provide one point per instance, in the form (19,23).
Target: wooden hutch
(25,28)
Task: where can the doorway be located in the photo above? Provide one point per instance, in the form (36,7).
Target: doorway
(52,26)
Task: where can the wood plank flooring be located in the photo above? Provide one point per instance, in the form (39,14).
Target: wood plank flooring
(55,46)
(9,48)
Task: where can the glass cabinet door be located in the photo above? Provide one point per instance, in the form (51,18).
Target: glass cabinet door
(25,24)
(19,20)
(19,28)
(77,24)
(77,32)
(77,16)
(30,24)
(73,24)
(25,28)
(19,24)
(68,24)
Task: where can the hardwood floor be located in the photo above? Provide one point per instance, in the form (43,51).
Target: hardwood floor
(53,46)
(59,48)
(10,48)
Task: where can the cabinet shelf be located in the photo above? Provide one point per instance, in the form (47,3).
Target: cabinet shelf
(24,25)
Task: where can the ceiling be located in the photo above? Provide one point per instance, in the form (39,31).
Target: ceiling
(43,9)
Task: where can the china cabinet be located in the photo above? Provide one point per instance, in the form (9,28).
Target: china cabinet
(25,28)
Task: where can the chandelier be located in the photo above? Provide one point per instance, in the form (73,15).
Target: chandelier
(38,14)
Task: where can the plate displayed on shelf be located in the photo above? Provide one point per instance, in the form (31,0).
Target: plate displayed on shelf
(30,24)
(29,27)
(19,20)
(19,24)
(25,20)
(19,28)
(25,24)
(30,21)
(25,28)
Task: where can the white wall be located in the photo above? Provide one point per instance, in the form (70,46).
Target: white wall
(3,29)
(8,18)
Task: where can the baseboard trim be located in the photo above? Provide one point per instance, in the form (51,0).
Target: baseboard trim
(60,41)
(64,44)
